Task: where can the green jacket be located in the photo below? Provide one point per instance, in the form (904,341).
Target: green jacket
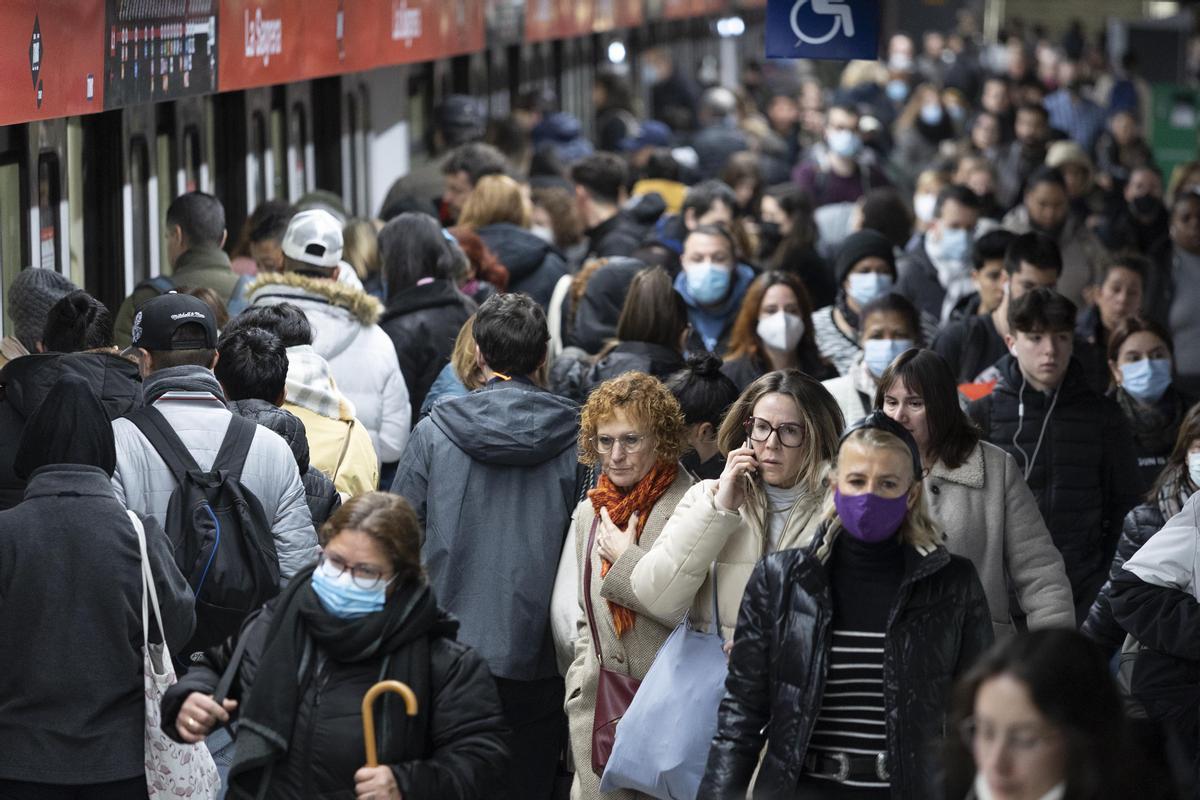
(198,266)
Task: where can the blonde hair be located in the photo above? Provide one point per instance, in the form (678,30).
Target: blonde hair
(820,417)
(462,358)
(495,199)
(361,248)
(918,528)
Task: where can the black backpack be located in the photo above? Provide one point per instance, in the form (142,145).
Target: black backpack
(220,534)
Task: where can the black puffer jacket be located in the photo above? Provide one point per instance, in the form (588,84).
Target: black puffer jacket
(618,235)
(423,322)
(600,306)
(534,266)
(1084,476)
(454,748)
(24,383)
(938,627)
(319,492)
(1140,524)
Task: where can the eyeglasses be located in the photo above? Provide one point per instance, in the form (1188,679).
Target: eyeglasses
(364,576)
(1023,742)
(631,443)
(759,430)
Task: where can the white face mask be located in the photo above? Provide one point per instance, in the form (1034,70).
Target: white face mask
(781,331)
(1194,468)
(923,205)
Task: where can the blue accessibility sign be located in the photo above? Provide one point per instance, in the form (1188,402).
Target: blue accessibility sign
(837,30)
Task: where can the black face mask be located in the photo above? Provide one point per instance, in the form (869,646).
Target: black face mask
(1146,206)
(769,237)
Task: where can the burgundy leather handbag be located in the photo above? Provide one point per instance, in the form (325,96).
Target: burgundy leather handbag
(614,690)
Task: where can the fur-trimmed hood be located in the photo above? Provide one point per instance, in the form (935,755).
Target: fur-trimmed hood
(285,285)
(340,315)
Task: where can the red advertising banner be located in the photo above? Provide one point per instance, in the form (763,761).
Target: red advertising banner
(630,13)
(52,64)
(557,19)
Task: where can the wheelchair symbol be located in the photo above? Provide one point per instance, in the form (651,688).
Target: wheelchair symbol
(843,20)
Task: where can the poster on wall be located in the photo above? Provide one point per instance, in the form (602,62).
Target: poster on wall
(158,50)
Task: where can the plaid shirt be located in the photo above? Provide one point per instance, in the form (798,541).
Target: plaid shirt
(310,385)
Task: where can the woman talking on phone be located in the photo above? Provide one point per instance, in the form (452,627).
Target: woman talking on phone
(778,439)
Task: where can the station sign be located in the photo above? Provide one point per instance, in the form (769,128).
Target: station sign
(836,30)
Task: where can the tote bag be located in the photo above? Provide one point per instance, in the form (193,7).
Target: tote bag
(173,770)
(662,742)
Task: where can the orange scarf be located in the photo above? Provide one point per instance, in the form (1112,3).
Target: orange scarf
(621,506)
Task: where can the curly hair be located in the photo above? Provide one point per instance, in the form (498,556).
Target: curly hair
(645,399)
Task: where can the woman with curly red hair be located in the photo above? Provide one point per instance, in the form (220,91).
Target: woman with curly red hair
(633,429)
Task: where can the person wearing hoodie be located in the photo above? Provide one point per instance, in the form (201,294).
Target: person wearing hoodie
(77,340)
(492,476)
(1072,444)
(252,368)
(175,340)
(345,332)
(338,444)
(30,296)
(73,720)
(424,310)
(498,212)
(712,284)
(364,612)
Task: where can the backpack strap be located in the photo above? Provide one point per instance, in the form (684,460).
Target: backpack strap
(159,283)
(235,447)
(154,426)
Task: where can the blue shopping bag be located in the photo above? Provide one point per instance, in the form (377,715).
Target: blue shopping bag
(662,742)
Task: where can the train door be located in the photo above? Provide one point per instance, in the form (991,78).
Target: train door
(301,157)
(140,198)
(355,142)
(48,211)
(14,209)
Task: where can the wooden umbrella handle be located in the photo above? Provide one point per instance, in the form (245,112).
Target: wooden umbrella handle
(368,712)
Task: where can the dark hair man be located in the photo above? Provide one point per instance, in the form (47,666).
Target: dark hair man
(492,475)
(1073,445)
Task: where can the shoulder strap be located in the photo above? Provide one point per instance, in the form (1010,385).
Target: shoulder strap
(716,609)
(587,590)
(159,283)
(345,447)
(226,682)
(235,446)
(154,426)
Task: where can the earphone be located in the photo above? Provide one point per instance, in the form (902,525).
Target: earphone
(1030,461)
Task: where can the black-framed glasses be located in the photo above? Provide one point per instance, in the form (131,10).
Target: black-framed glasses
(790,434)
(975,734)
(631,443)
(364,576)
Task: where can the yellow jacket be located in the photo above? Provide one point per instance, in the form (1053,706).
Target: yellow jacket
(671,192)
(341,449)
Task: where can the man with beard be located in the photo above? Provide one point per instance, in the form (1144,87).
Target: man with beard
(1045,210)
(1141,223)
(1025,154)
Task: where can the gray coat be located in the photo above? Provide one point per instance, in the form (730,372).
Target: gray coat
(144,483)
(71,626)
(492,476)
(633,653)
(990,517)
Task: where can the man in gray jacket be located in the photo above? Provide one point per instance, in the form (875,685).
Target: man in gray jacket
(492,475)
(175,339)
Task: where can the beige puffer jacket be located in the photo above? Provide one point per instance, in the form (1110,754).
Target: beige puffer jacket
(675,575)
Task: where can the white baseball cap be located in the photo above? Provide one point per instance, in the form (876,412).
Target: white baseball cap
(314,237)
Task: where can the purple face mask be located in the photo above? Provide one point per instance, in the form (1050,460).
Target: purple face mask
(869,517)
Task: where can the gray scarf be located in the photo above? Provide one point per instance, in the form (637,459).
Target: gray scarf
(181,379)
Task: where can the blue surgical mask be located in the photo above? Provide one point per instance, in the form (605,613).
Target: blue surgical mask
(878,354)
(846,144)
(955,244)
(1146,380)
(866,286)
(707,282)
(897,90)
(342,597)
(931,114)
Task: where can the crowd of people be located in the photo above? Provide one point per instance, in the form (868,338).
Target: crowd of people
(886,384)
